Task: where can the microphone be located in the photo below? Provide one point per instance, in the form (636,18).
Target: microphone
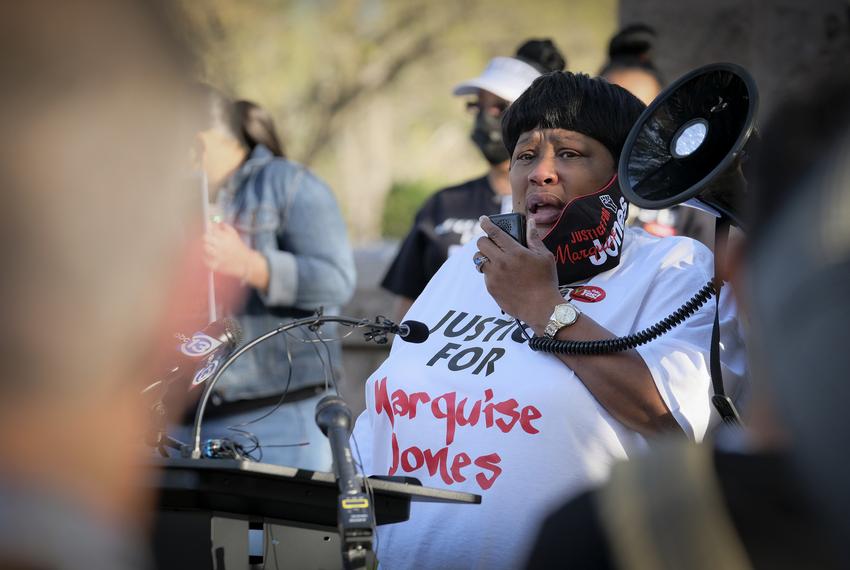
(199,356)
(354,511)
(412,331)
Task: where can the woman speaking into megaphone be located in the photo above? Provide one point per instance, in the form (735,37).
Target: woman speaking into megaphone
(475,409)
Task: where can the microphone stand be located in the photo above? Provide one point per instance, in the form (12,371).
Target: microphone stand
(354,510)
(205,197)
(376,331)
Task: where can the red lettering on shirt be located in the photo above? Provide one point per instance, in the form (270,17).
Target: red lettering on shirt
(453,466)
(461,460)
(529,414)
(490,463)
(448,414)
(438,462)
(382,400)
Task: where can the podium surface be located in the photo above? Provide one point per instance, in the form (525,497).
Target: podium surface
(208,506)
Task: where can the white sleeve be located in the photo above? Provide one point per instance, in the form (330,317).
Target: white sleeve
(679,360)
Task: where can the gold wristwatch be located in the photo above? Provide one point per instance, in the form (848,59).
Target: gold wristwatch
(564,315)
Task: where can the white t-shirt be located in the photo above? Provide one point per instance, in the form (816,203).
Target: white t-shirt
(474,409)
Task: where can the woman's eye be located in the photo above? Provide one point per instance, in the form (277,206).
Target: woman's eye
(525,156)
(569,154)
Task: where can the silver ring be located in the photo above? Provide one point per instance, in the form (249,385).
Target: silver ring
(479,262)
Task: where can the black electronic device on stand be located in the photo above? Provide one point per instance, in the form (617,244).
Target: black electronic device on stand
(195,360)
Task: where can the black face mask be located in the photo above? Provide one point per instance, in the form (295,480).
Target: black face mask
(487,136)
(587,239)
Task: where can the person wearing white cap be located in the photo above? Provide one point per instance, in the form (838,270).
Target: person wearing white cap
(449,218)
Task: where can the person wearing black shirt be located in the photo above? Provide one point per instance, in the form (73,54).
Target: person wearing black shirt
(446,221)
(449,219)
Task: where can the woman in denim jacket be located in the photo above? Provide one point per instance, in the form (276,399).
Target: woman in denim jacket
(281,237)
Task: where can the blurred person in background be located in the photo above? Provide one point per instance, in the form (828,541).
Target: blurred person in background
(631,66)
(279,237)
(773,495)
(94,265)
(449,218)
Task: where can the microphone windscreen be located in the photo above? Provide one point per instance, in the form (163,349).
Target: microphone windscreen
(332,410)
(418,332)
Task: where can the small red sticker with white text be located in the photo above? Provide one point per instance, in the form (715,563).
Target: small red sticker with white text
(587,294)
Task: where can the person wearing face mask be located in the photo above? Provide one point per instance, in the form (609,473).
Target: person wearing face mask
(475,409)
(449,219)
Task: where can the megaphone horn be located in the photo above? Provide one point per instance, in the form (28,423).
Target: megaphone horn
(687,145)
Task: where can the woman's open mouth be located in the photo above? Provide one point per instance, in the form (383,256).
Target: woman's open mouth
(544,208)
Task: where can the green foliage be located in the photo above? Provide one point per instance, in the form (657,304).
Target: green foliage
(401,205)
(361,90)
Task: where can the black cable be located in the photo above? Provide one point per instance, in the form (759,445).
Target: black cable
(375,331)
(258,447)
(325,368)
(367,484)
(282,398)
(325,374)
(623,343)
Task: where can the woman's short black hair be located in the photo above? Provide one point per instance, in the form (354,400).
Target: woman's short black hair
(575,102)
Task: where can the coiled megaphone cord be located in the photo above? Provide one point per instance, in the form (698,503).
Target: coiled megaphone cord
(623,343)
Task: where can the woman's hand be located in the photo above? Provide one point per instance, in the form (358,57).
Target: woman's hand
(226,253)
(523,281)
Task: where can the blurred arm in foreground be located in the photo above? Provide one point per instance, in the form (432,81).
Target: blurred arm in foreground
(93,251)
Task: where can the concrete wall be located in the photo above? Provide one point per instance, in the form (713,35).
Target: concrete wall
(361,358)
(783,43)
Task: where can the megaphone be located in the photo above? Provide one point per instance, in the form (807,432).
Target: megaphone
(688,144)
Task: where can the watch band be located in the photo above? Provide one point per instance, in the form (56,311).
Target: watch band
(564,315)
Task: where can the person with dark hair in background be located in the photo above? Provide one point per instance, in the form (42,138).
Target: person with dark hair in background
(95,264)
(283,240)
(774,495)
(257,126)
(631,66)
(449,218)
(476,409)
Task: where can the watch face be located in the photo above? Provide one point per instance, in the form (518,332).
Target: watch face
(565,313)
